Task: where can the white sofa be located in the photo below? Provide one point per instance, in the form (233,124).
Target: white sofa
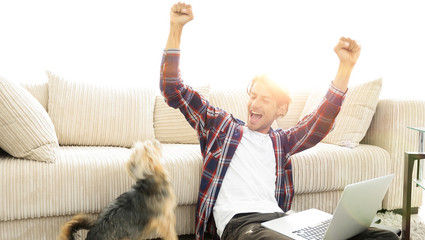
(83,136)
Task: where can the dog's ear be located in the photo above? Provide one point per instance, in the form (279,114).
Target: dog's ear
(157,144)
(153,149)
(154,153)
(136,165)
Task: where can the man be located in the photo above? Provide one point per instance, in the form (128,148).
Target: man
(247,173)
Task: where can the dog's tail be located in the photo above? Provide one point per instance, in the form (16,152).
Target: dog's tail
(80,221)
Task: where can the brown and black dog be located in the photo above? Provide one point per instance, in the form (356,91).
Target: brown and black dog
(147,207)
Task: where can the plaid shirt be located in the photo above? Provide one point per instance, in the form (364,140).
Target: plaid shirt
(219,134)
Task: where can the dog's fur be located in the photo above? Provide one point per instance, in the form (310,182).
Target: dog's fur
(147,207)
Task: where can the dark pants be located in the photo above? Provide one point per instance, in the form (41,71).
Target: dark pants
(248,226)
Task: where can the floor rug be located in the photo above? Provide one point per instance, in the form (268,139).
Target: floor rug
(417,228)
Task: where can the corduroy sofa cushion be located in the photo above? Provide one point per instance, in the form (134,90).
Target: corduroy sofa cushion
(170,124)
(26,130)
(96,115)
(356,113)
(86,179)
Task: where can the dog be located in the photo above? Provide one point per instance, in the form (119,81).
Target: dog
(149,205)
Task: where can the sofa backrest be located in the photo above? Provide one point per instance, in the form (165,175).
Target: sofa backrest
(299,98)
(40,91)
(170,126)
(232,100)
(98,115)
(88,114)
(95,115)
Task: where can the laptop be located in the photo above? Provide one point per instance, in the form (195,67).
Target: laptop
(354,214)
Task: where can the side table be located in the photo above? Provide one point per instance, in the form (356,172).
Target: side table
(410,159)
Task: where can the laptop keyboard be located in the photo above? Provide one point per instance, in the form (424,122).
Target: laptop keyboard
(314,233)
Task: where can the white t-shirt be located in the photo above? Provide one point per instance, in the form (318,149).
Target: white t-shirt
(249,183)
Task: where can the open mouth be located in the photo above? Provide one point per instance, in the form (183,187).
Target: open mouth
(255,116)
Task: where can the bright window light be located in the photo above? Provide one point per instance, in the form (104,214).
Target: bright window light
(226,45)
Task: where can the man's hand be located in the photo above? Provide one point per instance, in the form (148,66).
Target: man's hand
(348,51)
(181,14)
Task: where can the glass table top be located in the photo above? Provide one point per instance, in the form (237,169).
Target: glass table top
(420,182)
(420,129)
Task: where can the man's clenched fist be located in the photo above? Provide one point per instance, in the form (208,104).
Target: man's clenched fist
(181,14)
(348,51)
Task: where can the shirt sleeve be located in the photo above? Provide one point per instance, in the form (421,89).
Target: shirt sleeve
(191,103)
(315,126)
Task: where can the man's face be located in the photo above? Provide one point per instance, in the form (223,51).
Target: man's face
(262,109)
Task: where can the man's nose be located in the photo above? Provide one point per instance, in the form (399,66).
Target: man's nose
(256,103)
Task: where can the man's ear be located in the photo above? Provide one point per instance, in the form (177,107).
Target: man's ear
(282,110)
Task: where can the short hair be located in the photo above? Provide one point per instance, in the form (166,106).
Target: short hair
(279,93)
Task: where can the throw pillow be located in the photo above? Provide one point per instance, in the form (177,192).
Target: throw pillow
(26,131)
(169,123)
(355,116)
(96,115)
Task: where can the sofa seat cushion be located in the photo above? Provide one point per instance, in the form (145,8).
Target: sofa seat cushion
(328,167)
(85,179)
(184,163)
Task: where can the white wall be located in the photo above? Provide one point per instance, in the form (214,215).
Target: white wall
(229,42)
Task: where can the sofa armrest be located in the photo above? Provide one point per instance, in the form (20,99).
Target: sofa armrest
(389,131)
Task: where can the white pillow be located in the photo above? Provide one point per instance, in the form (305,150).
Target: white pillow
(26,130)
(355,116)
(170,125)
(96,115)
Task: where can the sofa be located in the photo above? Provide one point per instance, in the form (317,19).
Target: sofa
(64,145)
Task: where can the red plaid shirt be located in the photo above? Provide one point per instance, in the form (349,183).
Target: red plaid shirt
(219,134)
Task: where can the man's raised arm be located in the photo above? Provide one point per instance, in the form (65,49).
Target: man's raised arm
(348,51)
(180,15)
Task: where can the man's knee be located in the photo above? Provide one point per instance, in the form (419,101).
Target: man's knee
(249,232)
(257,232)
